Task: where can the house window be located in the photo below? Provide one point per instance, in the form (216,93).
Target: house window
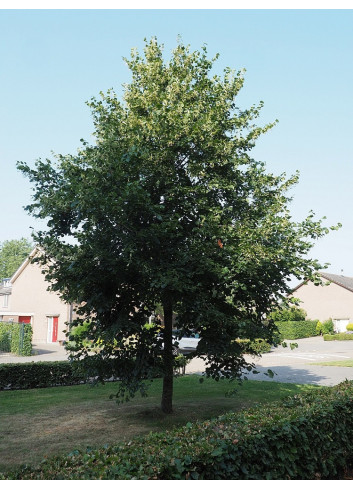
(6,300)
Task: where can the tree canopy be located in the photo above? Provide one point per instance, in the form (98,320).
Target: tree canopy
(12,253)
(168,207)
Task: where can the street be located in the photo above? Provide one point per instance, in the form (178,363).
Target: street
(288,365)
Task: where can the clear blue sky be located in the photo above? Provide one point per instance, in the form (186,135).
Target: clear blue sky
(299,62)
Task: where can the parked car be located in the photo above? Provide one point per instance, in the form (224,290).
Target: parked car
(187,343)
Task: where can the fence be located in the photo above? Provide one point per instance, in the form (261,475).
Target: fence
(16,338)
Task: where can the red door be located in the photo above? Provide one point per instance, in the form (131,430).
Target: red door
(24,319)
(55,329)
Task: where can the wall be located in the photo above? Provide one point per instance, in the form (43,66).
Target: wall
(325,302)
(30,297)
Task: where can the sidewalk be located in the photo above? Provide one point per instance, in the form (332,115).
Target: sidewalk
(46,352)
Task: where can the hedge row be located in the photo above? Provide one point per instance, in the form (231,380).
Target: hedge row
(16,338)
(51,374)
(302,437)
(292,330)
(38,374)
(338,336)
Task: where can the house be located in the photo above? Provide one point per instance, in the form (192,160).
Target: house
(25,298)
(333,301)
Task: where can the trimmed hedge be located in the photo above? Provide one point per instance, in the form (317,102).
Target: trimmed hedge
(16,338)
(32,375)
(255,347)
(293,330)
(338,337)
(38,374)
(306,436)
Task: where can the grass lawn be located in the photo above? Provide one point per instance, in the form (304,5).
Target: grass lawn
(38,423)
(338,363)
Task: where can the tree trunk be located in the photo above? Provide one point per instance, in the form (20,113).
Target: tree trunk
(167,394)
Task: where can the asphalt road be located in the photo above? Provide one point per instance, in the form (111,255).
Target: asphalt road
(289,365)
(295,366)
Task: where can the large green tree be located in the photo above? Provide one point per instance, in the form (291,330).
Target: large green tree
(168,207)
(12,253)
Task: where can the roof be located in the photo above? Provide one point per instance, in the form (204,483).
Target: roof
(24,264)
(345,282)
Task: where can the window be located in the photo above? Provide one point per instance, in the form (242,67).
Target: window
(6,300)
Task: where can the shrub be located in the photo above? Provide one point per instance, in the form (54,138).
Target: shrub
(307,436)
(292,330)
(16,338)
(319,328)
(255,347)
(38,374)
(327,327)
(51,374)
(338,337)
(288,314)
(349,327)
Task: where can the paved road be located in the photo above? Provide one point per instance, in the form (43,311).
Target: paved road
(295,366)
(289,365)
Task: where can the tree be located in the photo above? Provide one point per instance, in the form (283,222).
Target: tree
(12,254)
(168,207)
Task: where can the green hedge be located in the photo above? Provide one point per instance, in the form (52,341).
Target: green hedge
(256,347)
(292,330)
(307,436)
(16,338)
(50,374)
(338,337)
(38,374)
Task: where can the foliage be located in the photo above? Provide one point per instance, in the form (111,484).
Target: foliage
(255,347)
(327,326)
(12,254)
(292,313)
(78,334)
(16,338)
(349,327)
(319,328)
(168,207)
(38,374)
(338,337)
(274,441)
(50,374)
(292,330)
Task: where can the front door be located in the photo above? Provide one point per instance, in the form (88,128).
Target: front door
(53,322)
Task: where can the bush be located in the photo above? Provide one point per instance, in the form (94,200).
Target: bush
(338,337)
(292,330)
(16,338)
(319,328)
(288,314)
(51,374)
(307,436)
(349,327)
(38,374)
(327,327)
(256,347)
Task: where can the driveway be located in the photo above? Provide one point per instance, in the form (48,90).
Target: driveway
(293,366)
